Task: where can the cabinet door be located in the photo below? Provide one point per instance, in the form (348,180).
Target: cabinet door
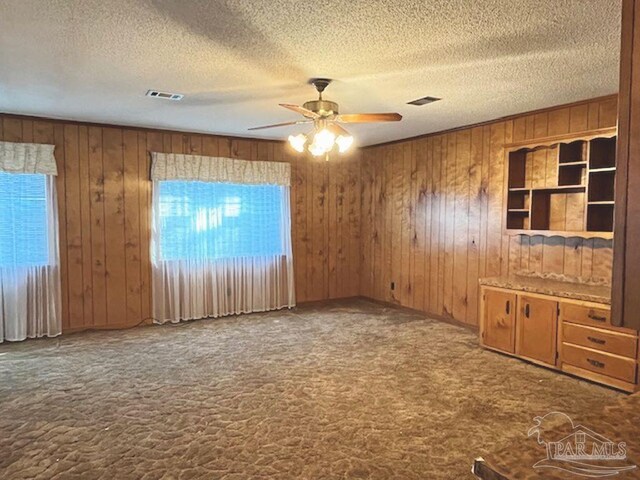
(536,329)
(499,320)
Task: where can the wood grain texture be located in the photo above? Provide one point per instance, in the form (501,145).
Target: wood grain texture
(104,197)
(626,270)
(425,214)
(433,213)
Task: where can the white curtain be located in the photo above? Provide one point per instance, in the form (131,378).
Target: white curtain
(221,238)
(29,256)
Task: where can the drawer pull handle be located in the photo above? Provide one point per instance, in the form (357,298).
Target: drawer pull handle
(508,308)
(595,363)
(527,310)
(597,318)
(599,341)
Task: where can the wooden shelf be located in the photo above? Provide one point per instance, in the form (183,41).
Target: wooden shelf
(573,164)
(561,233)
(572,152)
(602,153)
(602,185)
(571,197)
(600,216)
(562,189)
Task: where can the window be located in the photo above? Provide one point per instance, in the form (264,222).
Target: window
(24,230)
(206,220)
(221,237)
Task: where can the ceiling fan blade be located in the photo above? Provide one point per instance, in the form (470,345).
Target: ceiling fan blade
(368,117)
(300,110)
(285,124)
(338,130)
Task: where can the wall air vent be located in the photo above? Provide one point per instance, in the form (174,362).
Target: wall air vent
(423,101)
(165,95)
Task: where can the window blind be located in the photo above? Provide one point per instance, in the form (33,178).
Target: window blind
(203,220)
(24,228)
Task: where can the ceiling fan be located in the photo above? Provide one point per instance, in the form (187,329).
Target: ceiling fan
(326,119)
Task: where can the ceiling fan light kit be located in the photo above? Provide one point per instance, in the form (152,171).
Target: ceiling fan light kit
(297,142)
(344,143)
(323,141)
(327,134)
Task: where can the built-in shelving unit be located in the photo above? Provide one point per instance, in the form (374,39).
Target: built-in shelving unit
(562,186)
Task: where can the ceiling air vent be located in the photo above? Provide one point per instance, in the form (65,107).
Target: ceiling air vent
(423,101)
(165,95)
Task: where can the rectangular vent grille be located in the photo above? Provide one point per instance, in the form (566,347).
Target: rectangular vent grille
(165,95)
(423,101)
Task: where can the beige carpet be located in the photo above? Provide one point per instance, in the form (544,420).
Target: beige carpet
(346,390)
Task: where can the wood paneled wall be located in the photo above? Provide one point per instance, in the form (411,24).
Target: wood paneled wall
(432,214)
(425,214)
(104,196)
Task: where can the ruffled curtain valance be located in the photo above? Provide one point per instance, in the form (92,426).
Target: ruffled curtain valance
(27,158)
(174,166)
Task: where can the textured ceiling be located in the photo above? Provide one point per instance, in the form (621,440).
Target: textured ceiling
(94,60)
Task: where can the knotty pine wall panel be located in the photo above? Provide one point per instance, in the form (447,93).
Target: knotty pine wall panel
(104,201)
(432,214)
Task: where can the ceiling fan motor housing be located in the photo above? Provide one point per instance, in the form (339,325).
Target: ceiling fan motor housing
(323,108)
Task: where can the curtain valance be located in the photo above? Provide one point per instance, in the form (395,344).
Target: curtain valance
(175,166)
(27,158)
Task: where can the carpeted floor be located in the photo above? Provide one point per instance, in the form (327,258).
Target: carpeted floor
(346,390)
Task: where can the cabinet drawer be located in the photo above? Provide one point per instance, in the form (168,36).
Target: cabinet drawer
(594,317)
(599,362)
(599,339)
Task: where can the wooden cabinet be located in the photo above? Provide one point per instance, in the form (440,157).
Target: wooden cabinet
(593,348)
(572,336)
(585,315)
(499,325)
(605,340)
(536,329)
(599,362)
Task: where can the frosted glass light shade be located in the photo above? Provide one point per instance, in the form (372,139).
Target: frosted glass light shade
(297,142)
(344,142)
(325,139)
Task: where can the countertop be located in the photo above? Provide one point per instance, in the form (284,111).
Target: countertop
(557,285)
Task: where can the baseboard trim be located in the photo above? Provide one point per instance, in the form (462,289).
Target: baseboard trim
(327,301)
(306,303)
(117,326)
(433,316)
